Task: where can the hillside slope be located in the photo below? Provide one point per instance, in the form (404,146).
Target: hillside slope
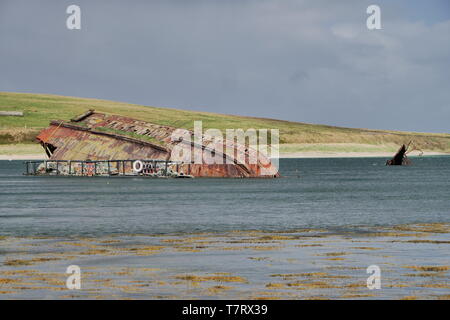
(39,109)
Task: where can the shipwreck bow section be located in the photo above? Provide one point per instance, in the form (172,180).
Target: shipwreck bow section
(98,136)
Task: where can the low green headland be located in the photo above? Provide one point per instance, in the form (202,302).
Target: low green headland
(17,133)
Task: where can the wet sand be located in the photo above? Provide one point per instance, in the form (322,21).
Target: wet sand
(296,264)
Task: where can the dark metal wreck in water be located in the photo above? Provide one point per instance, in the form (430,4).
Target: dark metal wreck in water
(95,136)
(401,158)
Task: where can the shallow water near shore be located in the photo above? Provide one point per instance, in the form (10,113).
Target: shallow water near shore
(335,194)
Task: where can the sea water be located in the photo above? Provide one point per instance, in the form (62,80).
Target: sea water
(327,193)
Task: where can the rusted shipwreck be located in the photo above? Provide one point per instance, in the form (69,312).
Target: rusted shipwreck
(401,158)
(118,142)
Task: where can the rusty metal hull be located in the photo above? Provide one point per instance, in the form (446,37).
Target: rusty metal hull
(99,136)
(83,145)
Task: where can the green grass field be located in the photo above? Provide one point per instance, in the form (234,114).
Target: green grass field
(39,109)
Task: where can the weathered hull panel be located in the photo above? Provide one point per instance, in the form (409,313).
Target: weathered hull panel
(79,145)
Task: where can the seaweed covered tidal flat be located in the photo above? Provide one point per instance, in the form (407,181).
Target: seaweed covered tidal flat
(296,264)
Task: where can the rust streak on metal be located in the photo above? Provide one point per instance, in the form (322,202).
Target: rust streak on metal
(116,136)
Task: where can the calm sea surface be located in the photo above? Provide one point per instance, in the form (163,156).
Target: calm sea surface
(335,194)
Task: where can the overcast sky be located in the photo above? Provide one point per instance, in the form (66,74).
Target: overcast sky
(302,60)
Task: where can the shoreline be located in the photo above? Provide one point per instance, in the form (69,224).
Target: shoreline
(318,154)
(288,155)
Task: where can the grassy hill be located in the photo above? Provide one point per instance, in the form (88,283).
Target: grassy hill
(38,109)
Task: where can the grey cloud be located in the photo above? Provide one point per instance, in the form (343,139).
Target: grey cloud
(310,61)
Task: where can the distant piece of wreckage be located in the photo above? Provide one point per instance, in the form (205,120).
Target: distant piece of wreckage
(105,144)
(400,158)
